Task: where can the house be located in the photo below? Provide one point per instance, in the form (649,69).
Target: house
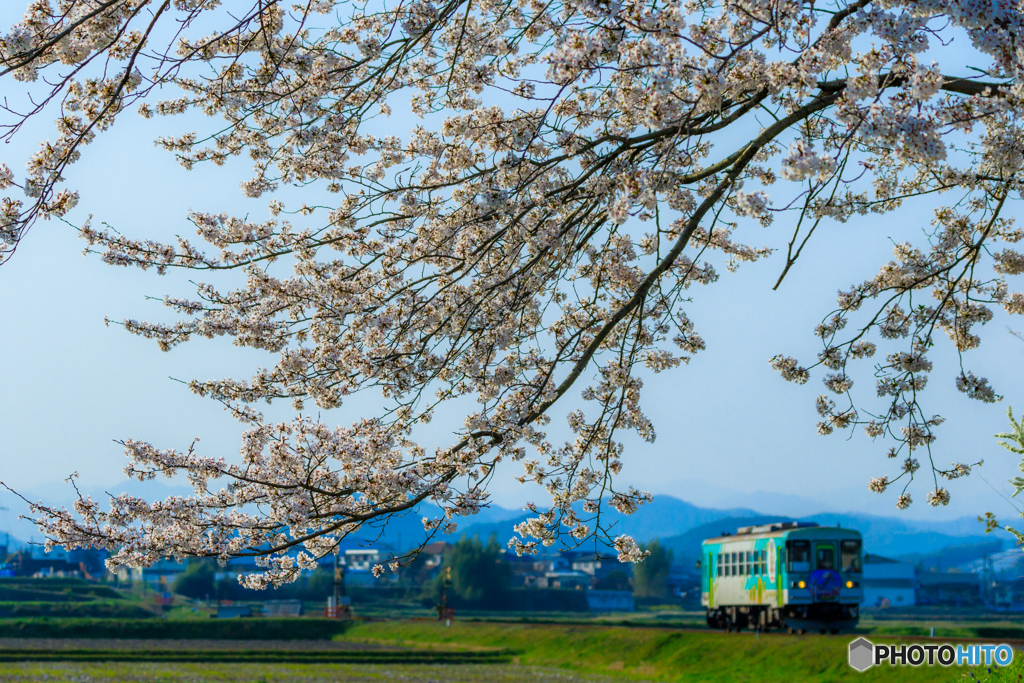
(162,574)
(551,563)
(564,580)
(887,582)
(362,559)
(592,564)
(435,553)
(948,588)
(23,563)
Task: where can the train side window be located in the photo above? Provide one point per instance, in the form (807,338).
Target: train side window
(764,562)
(798,556)
(850,553)
(719,564)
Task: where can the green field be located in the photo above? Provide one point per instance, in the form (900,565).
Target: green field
(419,651)
(661,654)
(63,630)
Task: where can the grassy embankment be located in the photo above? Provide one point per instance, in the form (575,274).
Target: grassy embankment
(411,650)
(20,598)
(659,654)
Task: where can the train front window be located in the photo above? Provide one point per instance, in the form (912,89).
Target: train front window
(826,558)
(798,556)
(850,555)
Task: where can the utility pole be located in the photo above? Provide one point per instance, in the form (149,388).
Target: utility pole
(337,609)
(443,611)
(337,579)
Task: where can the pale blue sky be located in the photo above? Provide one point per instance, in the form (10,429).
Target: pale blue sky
(727,426)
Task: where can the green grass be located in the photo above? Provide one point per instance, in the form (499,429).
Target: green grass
(1004,630)
(415,651)
(658,654)
(68,598)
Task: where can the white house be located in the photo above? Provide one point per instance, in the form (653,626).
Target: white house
(362,559)
(887,583)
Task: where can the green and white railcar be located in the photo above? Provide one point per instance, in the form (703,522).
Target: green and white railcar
(794,575)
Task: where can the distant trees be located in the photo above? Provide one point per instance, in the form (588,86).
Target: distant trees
(480,575)
(1016,445)
(199,580)
(650,577)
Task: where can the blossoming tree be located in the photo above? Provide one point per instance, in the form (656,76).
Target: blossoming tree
(577,169)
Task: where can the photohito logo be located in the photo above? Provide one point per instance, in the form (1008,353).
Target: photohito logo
(865,654)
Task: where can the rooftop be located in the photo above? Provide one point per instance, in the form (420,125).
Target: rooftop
(773,526)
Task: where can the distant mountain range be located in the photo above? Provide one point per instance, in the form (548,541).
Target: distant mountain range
(884,536)
(682,526)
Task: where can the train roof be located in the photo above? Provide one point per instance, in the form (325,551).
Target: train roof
(776,529)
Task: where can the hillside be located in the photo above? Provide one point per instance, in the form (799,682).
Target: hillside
(682,526)
(882,535)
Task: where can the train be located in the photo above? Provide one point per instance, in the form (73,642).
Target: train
(789,575)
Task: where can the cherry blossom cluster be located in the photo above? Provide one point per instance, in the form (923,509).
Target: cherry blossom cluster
(579,171)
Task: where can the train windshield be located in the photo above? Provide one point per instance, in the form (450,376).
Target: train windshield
(826,557)
(850,551)
(799,556)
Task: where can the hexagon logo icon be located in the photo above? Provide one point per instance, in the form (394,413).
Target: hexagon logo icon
(862,654)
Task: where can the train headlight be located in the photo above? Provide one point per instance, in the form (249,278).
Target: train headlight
(849,584)
(801,584)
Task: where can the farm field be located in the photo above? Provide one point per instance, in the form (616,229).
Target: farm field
(665,654)
(61,630)
(422,652)
(285,673)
